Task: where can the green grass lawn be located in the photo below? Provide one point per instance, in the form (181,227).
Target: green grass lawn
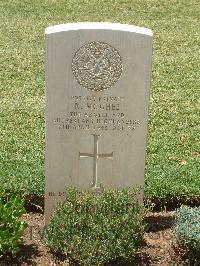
(172,165)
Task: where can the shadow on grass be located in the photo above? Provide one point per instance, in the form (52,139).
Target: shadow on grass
(139,260)
(61,257)
(26,255)
(171,202)
(35,203)
(158,223)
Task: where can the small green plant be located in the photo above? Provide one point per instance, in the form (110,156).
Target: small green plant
(96,228)
(187,228)
(11,228)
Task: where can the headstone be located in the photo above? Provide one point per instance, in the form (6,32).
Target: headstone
(97,93)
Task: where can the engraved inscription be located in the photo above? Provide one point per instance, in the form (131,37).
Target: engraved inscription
(97,66)
(57,194)
(96,114)
(96,155)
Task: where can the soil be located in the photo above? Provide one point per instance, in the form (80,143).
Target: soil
(159,246)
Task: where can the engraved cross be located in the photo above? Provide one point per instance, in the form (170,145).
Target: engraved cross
(96,155)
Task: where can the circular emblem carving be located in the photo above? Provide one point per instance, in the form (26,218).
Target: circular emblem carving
(97,66)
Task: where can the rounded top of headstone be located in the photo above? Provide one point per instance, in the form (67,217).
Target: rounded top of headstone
(97,26)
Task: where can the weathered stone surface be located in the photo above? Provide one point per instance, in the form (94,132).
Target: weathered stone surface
(97,93)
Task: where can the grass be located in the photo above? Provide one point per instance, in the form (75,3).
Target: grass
(172,165)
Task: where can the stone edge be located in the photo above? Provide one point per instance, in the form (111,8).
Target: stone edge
(97,26)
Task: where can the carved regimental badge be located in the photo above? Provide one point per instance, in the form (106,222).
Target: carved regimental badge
(97,66)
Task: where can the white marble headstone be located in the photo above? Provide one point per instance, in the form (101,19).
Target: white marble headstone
(97,94)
